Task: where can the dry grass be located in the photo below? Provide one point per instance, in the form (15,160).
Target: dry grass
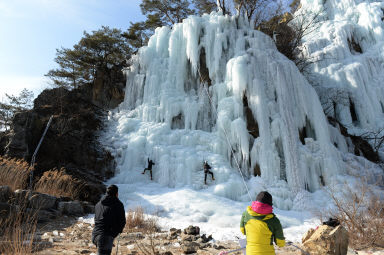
(18,229)
(59,183)
(137,221)
(14,173)
(18,225)
(361,212)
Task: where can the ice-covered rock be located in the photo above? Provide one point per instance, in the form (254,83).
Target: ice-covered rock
(175,117)
(213,88)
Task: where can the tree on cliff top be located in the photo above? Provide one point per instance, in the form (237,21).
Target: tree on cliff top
(159,13)
(258,11)
(101,49)
(205,6)
(138,33)
(13,104)
(168,11)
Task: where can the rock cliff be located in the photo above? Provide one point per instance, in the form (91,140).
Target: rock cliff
(72,139)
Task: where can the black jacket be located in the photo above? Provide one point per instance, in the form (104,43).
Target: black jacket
(150,163)
(206,167)
(109,217)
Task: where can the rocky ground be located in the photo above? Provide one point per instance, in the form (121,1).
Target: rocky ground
(72,236)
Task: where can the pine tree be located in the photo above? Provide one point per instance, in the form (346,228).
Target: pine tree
(101,49)
(168,11)
(138,33)
(205,6)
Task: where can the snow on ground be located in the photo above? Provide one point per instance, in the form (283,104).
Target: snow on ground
(219,216)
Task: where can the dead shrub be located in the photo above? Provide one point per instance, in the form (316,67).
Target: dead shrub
(288,32)
(361,212)
(137,221)
(14,173)
(59,183)
(18,230)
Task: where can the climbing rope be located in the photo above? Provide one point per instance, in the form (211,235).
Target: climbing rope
(35,153)
(226,136)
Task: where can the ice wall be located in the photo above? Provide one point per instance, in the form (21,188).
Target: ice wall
(212,83)
(348,53)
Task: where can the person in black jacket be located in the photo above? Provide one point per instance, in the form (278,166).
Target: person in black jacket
(109,221)
(150,163)
(207,171)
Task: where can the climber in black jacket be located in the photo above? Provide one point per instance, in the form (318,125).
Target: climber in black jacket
(150,163)
(207,171)
(109,221)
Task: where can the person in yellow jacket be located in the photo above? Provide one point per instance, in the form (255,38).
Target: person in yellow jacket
(261,226)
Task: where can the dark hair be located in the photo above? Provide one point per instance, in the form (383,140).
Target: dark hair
(264,197)
(112,190)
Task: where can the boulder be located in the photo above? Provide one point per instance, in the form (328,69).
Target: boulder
(190,247)
(166,253)
(191,230)
(71,208)
(326,240)
(45,215)
(5,194)
(5,210)
(187,238)
(42,201)
(21,196)
(88,207)
(174,233)
(206,239)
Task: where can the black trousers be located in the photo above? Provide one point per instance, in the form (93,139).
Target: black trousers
(104,244)
(150,170)
(205,175)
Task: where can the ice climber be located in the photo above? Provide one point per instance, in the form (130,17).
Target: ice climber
(261,226)
(207,171)
(150,164)
(109,221)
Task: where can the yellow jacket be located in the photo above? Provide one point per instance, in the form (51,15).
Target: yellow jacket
(261,231)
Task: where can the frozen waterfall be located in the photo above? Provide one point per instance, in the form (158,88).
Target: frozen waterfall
(213,88)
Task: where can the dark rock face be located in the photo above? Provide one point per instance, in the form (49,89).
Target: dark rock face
(42,201)
(71,208)
(4,140)
(5,194)
(39,206)
(103,94)
(362,147)
(72,139)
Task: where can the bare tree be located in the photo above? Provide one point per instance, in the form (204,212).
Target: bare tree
(330,98)
(258,11)
(360,211)
(13,104)
(288,32)
(376,138)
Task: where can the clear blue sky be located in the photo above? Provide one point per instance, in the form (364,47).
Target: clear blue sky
(31,30)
